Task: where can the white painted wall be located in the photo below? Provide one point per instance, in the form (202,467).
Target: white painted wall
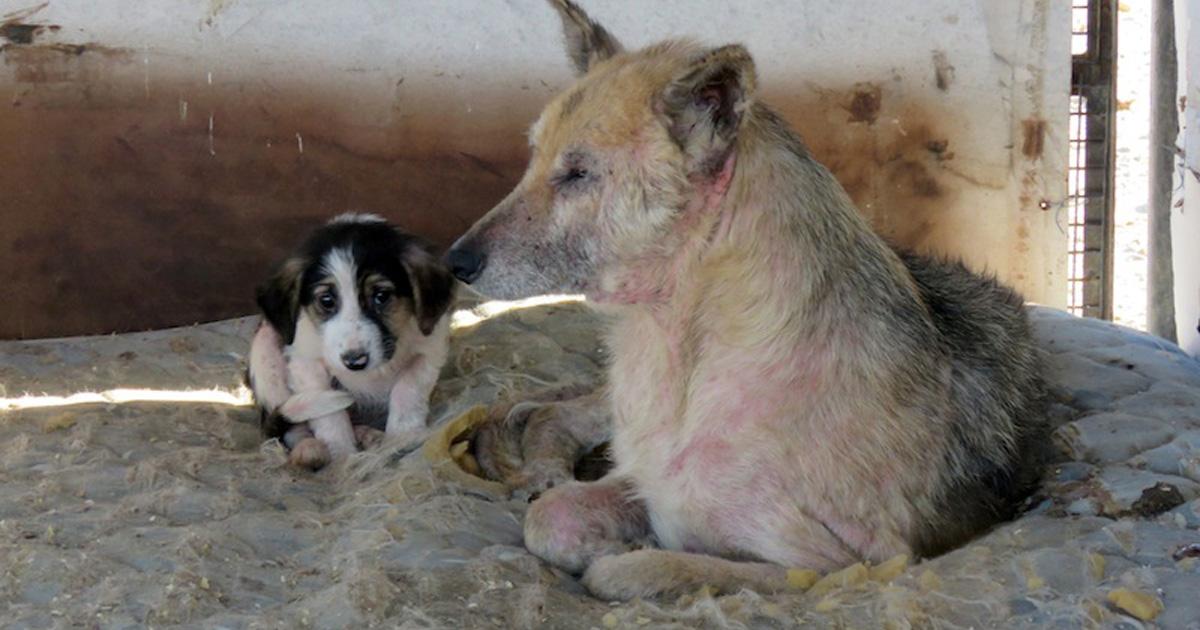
(974,168)
(1185,217)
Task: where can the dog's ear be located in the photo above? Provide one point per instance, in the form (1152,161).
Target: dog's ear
(587,42)
(704,105)
(279,298)
(432,285)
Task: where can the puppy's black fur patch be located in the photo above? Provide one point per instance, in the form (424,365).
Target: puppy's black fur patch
(376,247)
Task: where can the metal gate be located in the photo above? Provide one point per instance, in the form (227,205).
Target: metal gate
(1092,157)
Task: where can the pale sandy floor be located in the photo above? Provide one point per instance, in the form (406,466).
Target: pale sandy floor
(137,510)
(1133,131)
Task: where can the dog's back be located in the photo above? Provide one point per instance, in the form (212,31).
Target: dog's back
(997,395)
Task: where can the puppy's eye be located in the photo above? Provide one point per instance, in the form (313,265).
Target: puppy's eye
(380,297)
(327,301)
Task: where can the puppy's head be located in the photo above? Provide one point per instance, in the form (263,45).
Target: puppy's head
(365,286)
(619,162)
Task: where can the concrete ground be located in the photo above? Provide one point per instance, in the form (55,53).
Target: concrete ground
(147,506)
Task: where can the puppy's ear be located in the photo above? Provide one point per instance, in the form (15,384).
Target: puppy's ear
(432,285)
(279,298)
(588,43)
(704,105)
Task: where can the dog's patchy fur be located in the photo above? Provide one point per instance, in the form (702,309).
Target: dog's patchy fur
(787,390)
(354,335)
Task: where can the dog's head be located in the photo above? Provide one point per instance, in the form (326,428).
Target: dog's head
(621,161)
(365,286)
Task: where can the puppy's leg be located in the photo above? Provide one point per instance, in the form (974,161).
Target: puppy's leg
(573,524)
(268,369)
(408,408)
(659,573)
(408,402)
(334,429)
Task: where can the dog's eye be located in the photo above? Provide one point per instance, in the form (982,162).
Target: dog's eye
(327,301)
(381,297)
(572,176)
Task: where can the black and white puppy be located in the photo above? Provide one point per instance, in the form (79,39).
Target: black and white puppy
(354,334)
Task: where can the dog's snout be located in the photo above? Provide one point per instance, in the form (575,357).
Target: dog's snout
(465,264)
(356,359)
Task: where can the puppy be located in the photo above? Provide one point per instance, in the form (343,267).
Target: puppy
(354,334)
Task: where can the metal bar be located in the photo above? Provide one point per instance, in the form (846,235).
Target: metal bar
(1164,129)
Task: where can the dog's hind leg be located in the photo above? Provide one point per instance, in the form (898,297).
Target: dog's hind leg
(533,445)
(658,573)
(557,435)
(573,524)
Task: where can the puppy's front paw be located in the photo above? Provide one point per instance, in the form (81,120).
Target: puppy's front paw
(367,436)
(309,453)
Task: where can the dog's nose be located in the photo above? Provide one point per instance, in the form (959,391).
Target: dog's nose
(465,264)
(355,359)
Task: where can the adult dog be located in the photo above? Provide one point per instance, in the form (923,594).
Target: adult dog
(787,390)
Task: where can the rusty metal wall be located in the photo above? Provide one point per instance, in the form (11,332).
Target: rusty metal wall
(157,158)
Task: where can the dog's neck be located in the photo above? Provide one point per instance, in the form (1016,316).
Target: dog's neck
(652,281)
(773,246)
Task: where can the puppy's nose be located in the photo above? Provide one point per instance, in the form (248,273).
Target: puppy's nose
(465,264)
(355,359)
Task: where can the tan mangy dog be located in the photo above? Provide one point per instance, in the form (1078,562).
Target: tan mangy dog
(787,390)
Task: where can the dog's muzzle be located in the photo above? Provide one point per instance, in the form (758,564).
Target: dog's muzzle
(466,265)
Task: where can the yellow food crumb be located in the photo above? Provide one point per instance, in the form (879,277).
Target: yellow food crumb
(929,581)
(1144,606)
(827,604)
(1096,564)
(802,579)
(890,569)
(854,574)
(609,620)
(60,422)
(1094,611)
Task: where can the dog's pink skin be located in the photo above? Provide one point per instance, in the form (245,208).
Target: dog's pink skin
(687,451)
(574,523)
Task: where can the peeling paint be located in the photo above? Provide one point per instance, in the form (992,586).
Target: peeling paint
(943,70)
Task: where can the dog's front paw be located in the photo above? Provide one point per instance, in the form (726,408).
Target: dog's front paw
(309,453)
(645,573)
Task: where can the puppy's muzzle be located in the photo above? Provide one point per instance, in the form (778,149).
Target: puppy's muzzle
(465,263)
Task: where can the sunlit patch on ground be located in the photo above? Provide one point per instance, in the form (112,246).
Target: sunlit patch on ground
(467,318)
(237,397)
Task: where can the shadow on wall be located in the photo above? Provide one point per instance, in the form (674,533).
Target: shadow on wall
(129,205)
